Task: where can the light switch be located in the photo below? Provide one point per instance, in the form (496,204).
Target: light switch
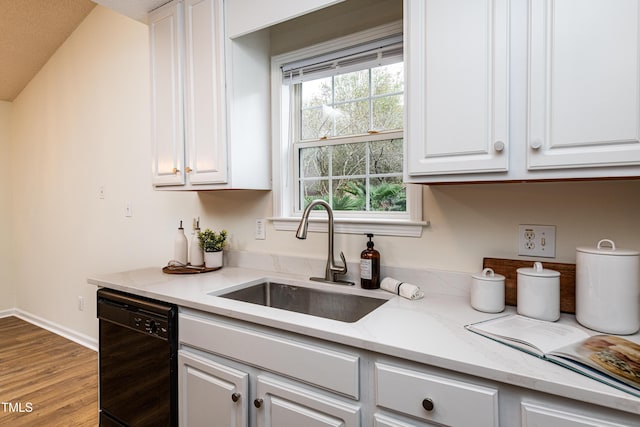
(260,229)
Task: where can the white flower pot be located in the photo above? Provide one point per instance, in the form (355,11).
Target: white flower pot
(213,259)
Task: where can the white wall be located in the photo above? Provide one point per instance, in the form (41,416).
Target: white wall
(468,222)
(7,294)
(83,122)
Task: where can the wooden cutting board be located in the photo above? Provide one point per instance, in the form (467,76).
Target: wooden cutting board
(508,268)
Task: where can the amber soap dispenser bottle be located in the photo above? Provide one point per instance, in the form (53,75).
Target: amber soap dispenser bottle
(370,266)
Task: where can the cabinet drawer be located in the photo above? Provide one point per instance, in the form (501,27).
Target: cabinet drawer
(536,415)
(285,404)
(455,403)
(333,370)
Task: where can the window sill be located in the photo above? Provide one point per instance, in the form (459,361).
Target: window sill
(379,227)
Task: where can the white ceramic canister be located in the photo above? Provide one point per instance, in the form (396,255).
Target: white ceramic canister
(487,291)
(539,293)
(608,288)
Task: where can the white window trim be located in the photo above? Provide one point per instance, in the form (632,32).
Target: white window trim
(284,216)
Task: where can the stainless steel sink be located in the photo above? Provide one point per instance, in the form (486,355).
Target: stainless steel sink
(330,305)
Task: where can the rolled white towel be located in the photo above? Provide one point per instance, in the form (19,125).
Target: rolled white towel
(406,290)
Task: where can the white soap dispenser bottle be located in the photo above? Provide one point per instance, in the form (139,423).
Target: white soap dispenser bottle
(180,246)
(197,256)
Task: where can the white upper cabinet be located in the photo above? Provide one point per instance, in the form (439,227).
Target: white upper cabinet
(167,126)
(513,90)
(246,16)
(457,86)
(188,93)
(210,100)
(205,126)
(584,92)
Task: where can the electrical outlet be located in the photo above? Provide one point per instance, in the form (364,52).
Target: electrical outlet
(128,210)
(260,229)
(537,240)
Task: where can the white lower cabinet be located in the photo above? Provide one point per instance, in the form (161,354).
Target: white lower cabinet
(215,394)
(211,393)
(234,375)
(434,398)
(279,403)
(239,374)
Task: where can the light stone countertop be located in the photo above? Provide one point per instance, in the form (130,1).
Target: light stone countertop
(429,331)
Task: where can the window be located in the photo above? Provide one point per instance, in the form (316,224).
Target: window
(339,119)
(348,144)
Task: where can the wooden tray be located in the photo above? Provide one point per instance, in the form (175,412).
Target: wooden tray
(508,268)
(170,269)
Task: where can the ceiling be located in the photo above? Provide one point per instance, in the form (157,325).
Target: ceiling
(31,31)
(136,9)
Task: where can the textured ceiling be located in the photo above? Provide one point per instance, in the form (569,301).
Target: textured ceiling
(30,32)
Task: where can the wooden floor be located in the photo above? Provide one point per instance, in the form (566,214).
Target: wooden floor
(45,379)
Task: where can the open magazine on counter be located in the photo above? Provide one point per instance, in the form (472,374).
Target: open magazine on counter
(611,359)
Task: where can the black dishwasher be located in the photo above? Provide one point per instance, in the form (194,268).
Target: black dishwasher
(138,361)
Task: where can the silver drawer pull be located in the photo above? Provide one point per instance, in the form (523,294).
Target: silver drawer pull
(535,144)
(427,404)
(498,146)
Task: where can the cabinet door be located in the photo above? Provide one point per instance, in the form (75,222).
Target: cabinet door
(211,394)
(584,91)
(457,75)
(205,117)
(280,404)
(167,126)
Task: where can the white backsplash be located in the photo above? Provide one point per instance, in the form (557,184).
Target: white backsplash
(432,281)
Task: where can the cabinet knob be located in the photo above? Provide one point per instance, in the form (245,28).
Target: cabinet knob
(498,146)
(235,396)
(187,169)
(175,170)
(427,404)
(535,144)
(258,403)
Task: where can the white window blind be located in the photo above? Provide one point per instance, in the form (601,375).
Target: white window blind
(379,52)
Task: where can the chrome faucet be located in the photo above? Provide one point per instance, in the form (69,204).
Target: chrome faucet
(332,270)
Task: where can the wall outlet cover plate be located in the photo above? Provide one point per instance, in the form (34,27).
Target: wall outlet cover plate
(537,240)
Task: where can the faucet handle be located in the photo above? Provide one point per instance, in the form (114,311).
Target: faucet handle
(343,269)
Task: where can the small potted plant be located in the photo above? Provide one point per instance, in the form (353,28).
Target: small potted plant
(212,244)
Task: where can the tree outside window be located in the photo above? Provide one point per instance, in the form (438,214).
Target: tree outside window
(349,140)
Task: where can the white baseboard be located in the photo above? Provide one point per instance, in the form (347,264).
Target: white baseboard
(70,334)
(8,312)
